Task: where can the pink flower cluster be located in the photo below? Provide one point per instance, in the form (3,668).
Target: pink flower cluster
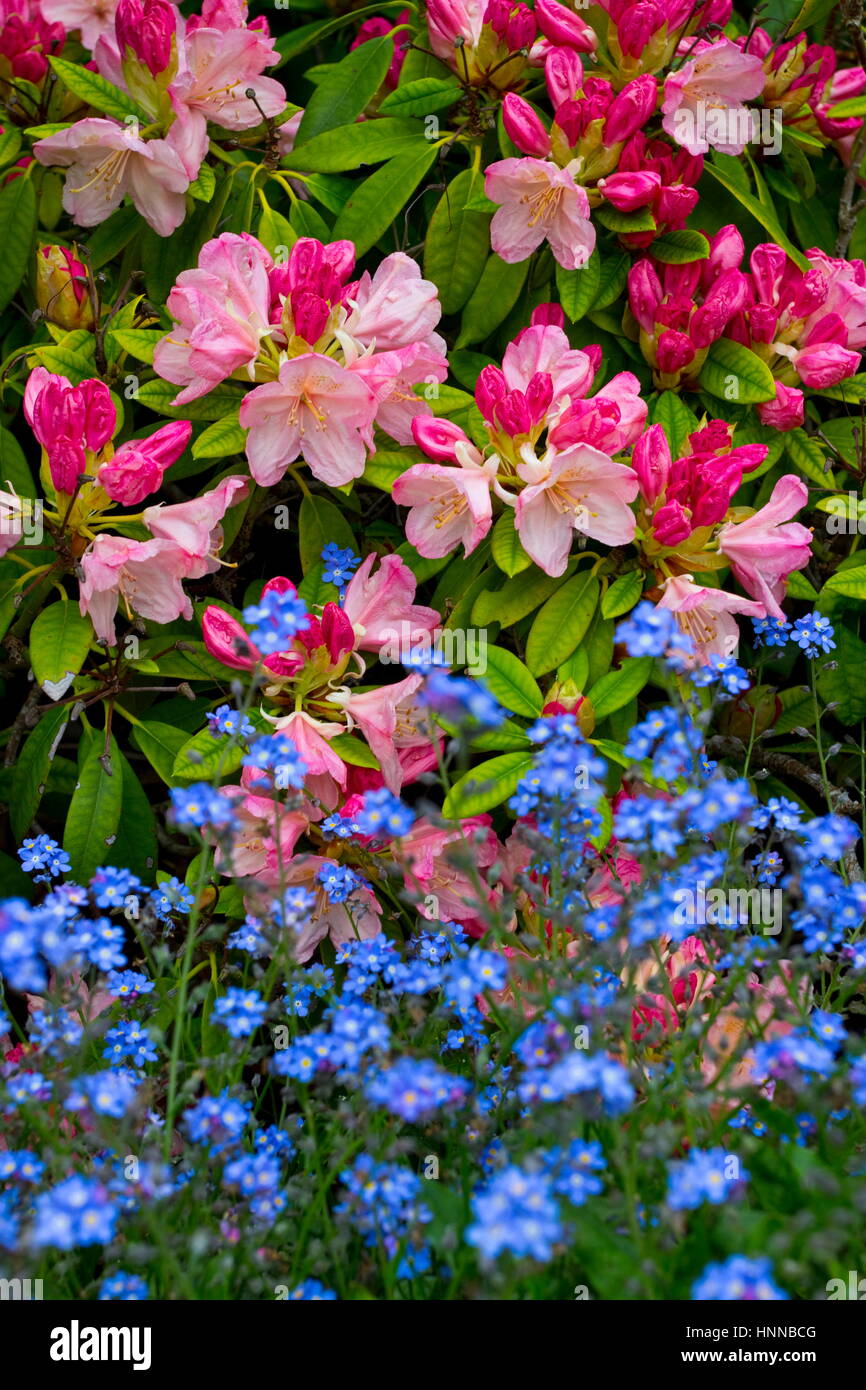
(334,358)
(494,43)
(551,445)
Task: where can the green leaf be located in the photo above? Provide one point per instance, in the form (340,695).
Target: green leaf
(299,40)
(616,688)
(486,786)
(32,768)
(221,439)
(319,522)
(516,598)
(679,248)
(852,391)
(135,844)
(850,582)
(845,682)
(95,91)
(507,678)
(677,420)
(59,641)
(766,216)
(622,594)
(561,623)
(373,207)
(386,466)
(809,457)
(202,187)
(422,96)
(204,758)
(798,710)
(798,586)
(160,744)
(354,751)
(10,144)
(72,356)
(494,297)
(94,811)
(457,242)
(274,230)
(222,400)
(17,228)
(350,146)
(641,220)
(506,548)
(853,106)
(578,288)
(734,373)
(140,342)
(348,87)
(14,469)
(612,281)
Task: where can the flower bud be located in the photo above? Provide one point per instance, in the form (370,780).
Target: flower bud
(61,288)
(524,126)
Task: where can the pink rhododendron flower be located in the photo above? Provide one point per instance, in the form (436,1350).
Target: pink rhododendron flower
(316,408)
(193,527)
(265,838)
(703,100)
(765,548)
(91,18)
(381,603)
(222,313)
(108,162)
(581,490)
(137,467)
(706,615)
(388,718)
(538,200)
(217,67)
(27,37)
(448,505)
(355,919)
(146,574)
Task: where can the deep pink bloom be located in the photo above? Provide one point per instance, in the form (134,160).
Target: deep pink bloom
(137,467)
(27,37)
(146,28)
(70,422)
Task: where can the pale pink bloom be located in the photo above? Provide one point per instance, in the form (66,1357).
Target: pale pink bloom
(767,547)
(217,68)
(356,919)
(706,615)
(12,521)
(137,467)
(703,100)
(379,604)
(389,719)
(312,739)
(845,296)
(394,306)
(288,133)
(194,526)
(544,348)
(265,838)
(393,376)
(447,505)
(222,313)
(147,574)
(108,162)
(539,200)
(92,18)
(429,858)
(580,490)
(316,408)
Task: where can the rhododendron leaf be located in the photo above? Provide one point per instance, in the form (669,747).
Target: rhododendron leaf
(14,469)
(752,433)
(223,437)
(59,641)
(32,768)
(843,681)
(623,594)
(612,280)
(598,644)
(486,786)
(641,220)
(346,89)
(350,146)
(421,96)
(191,663)
(852,106)
(135,844)
(678,248)
(616,688)
(202,187)
(306,221)
(578,288)
(222,400)
(575,668)
(96,91)
(298,40)
(108,239)
(676,419)
(765,215)
(371,210)
(735,373)
(457,242)
(73,356)
(275,231)
(10,144)
(354,751)
(494,297)
(810,457)
(516,599)
(798,586)
(204,758)
(852,391)
(561,623)
(17,227)
(319,522)
(139,342)
(506,548)
(850,583)
(95,808)
(461,613)
(507,678)
(421,566)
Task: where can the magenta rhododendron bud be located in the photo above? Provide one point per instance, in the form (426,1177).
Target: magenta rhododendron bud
(563,75)
(651,461)
(630,191)
(562,26)
(524,127)
(227,640)
(631,109)
(147,28)
(137,468)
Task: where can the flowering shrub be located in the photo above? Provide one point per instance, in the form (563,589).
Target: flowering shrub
(431,500)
